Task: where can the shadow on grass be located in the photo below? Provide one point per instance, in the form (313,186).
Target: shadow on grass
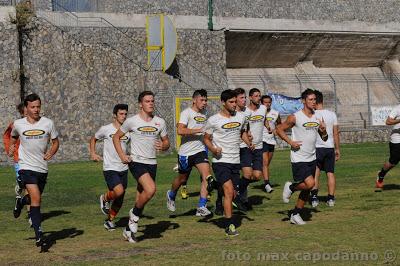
(237,219)
(48,215)
(156,230)
(194,194)
(51,237)
(391,187)
(191,212)
(306,214)
(257,200)
(262,186)
(123,221)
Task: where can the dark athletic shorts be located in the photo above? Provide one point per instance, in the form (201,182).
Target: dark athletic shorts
(114,178)
(268,147)
(394,153)
(251,159)
(139,169)
(302,170)
(186,163)
(226,171)
(326,159)
(33,177)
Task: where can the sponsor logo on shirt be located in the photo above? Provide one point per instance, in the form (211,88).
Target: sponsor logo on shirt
(256,118)
(34,134)
(270,118)
(231,125)
(123,138)
(310,125)
(147,129)
(200,119)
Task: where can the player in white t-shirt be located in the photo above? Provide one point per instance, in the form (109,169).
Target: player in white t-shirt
(115,172)
(192,152)
(328,152)
(224,132)
(394,146)
(148,135)
(272,120)
(34,132)
(305,128)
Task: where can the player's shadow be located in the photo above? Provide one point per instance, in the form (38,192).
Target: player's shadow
(257,200)
(391,187)
(123,221)
(306,214)
(51,214)
(156,230)
(51,237)
(237,219)
(191,212)
(262,186)
(194,194)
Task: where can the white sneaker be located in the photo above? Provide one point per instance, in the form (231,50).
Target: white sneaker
(296,219)
(330,203)
(287,193)
(176,167)
(128,235)
(202,212)
(314,203)
(18,190)
(268,188)
(170,203)
(104,205)
(133,222)
(109,225)
(30,222)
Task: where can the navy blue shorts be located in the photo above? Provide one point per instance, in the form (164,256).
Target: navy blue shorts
(139,169)
(114,178)
(251,159)
(33,177)
(326,159)
(268,147)
(394,153)
(302,170)
(226,171)
(186,163)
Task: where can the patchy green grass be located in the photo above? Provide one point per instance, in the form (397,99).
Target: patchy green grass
(358,230)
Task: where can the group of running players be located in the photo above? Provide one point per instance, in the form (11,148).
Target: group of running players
(240,138)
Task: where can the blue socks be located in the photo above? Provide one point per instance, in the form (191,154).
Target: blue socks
(202,202)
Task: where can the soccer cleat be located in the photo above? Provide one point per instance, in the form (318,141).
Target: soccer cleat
(176,168)
(104,205)
(184,193)
(231,230)
(330,203)
(133,222)
(378,185)
(202,212)
(170,203)
(42,243)
(18,207)
(314,202)
(109,225)
(18,190)
(209,197)
(128,236)
(296,219)
(268,188)
(239,205)
(30,222)
(287,193)
(211,183)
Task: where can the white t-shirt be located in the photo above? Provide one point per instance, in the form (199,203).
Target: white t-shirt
(143,137)
(395,114)
(256,121)
(111,160)
(34,139)
(192,144)
(272,116)
(247,114)
(226,134)
(306,131)
(330,120)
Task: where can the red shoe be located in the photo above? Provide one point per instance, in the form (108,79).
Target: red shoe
(378,185)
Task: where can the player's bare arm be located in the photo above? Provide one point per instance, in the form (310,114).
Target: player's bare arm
(163,144)
(55,144)
(92,150)
(208,142)
(288,124)
(117,144)
(182,130)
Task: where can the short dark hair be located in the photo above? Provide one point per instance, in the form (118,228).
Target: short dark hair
(31,98)
(253,90)
(228,94)
(307,92)
(144,93)
(319,97)
(20,108)
(239,91)
(201,92)
(120,106)
(266,97)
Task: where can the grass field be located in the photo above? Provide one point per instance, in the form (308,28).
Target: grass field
(363,227)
